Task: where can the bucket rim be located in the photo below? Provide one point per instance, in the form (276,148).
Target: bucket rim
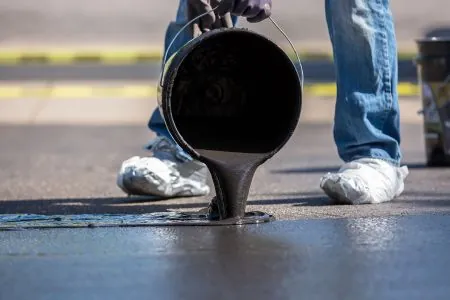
(181,55)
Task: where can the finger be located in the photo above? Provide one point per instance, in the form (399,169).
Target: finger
(199,8)
(240,8)
(196,31)
(207,21)
(217,23)
(262,15)
(225,6)
(223,22)
(227,22)
(251,12)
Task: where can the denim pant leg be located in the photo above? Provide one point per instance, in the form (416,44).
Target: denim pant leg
(367,122)
(156,122)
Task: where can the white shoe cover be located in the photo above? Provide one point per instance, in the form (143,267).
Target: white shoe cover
(155,177)
(365,181)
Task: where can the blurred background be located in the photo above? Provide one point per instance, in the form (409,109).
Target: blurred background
(111,51)
(66,23)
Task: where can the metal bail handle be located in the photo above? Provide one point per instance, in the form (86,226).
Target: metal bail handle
(301,76)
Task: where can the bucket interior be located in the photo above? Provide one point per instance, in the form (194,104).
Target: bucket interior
(235,91)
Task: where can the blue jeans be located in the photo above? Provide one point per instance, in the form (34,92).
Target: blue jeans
(367,121)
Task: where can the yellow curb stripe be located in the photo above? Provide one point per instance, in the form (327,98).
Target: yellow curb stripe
(73,91)
(408,89)
(71,57)
(320,90)
(404,89)
(68,56)
(77,92)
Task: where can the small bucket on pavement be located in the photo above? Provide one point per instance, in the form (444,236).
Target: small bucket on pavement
(433,68)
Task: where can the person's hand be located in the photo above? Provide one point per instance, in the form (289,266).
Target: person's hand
(253,10)
(210,21)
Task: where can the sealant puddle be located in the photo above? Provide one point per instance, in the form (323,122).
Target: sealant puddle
(29,221)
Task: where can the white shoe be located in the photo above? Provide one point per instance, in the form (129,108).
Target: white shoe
(365,181)
(168,173)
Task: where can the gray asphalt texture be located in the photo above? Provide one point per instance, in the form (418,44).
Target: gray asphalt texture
(315,71)
(72,169)
(313,250)
(370,258)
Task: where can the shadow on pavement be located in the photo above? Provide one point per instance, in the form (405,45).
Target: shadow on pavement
(108,205)
(143,205)
(412,166)
(429,203)
(135,205)
(306,170)
(301,201)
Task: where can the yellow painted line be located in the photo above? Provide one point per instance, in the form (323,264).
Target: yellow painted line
(404,89)
(77,92)
(9,57)
(74,91)
(12,57)
(62,57)
(408,89)
(320,89)
(115,56)
(11,92)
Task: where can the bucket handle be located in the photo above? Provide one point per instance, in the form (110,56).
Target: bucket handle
(301,75)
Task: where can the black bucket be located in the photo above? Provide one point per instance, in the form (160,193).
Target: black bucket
(433,67)
(231,98)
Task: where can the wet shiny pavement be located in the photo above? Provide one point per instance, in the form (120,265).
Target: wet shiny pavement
(314,250)
(361,258)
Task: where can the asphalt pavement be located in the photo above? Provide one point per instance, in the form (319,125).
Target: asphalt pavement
(315,71)
(363,259)
(313,250)
(66,169)
(60,157)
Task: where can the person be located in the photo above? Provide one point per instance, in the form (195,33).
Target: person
(366,123)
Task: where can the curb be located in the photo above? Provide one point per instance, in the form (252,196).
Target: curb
(86,91)
(62,56)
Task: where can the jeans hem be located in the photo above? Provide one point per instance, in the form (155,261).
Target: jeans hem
(394,162)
